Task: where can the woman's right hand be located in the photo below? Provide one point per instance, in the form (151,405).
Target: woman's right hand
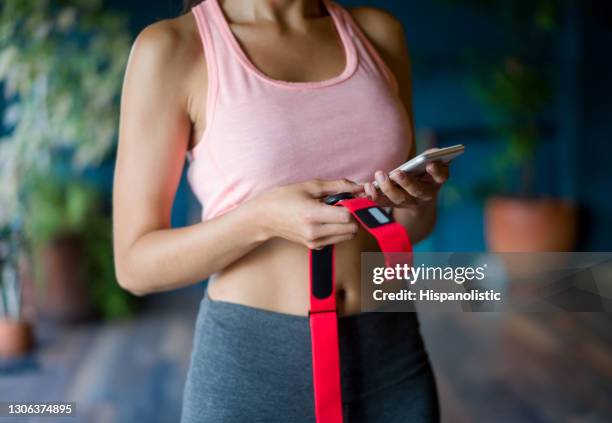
(297,213)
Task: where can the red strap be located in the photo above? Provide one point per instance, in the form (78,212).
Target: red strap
(391,237)
(326,367)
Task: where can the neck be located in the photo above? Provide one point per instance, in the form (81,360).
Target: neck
(273,11)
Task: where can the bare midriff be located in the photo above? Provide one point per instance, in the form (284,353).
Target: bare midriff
(275,276)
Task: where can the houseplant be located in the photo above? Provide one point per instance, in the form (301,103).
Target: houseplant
(515,83)
(516,219)
(61,68)
(69,234)
(15,331)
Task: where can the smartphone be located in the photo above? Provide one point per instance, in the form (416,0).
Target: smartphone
(416,166)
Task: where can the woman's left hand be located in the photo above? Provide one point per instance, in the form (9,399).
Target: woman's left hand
(404,191)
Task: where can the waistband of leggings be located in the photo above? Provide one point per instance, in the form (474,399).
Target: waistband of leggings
(349,319)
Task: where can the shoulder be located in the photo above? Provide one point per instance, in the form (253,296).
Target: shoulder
(381,27)
(167,48)
(168,40)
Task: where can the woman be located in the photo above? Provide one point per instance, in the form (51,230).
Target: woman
(276,104)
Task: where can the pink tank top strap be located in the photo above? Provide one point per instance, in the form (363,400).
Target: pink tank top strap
(368,55)
(210,45)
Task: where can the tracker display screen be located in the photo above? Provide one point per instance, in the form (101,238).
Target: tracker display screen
(373,217)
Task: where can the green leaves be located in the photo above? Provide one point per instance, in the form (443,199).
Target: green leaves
(61,68)
(516,84)
(514,89)
(55,207)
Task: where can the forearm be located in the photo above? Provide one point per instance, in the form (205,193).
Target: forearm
(166,259)
(419,220)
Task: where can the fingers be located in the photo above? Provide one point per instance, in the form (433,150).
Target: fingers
(438,172)
(413,186)
(394,193)
(322,213)
(371,191)
(320,188)
(322,242)
(327,230)
(328,225)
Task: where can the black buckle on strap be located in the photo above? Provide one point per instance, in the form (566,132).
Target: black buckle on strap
(333,199)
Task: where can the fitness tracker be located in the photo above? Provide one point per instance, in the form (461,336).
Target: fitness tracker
(323,316)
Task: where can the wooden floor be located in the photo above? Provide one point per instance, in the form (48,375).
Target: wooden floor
(490,367)
(533,367)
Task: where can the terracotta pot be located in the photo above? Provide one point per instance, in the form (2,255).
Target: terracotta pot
(16,338)
(530,225)
(64,294)
(533,226)
(28,289)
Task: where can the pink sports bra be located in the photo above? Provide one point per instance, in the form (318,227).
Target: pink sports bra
(263,132)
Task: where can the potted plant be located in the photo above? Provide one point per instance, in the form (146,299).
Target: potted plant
(15,331)
(69,235)
(56,215)
(61,69)
(516,219)
(518,92)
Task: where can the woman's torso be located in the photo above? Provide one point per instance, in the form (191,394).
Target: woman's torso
(342,118)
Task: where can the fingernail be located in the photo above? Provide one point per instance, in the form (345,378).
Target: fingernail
(380,177)
(371,191)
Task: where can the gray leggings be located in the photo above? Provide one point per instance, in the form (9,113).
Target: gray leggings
(253,365)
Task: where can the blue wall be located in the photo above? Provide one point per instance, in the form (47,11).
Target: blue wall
(593,145)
